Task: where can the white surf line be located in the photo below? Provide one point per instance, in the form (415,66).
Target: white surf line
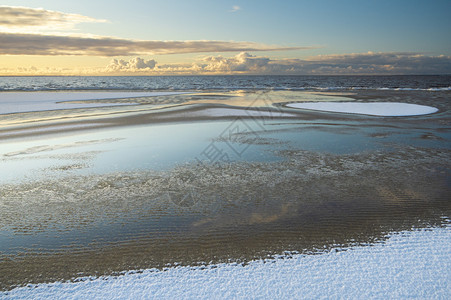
(385,109)
(18,102)
(410,264)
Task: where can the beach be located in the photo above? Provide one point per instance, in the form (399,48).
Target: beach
(110,183)
(225,150)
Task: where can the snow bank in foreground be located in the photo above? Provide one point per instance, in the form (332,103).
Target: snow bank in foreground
(410,264)
(16,102)
(385,109)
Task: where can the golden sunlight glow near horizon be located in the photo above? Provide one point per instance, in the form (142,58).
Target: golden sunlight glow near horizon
(219,38)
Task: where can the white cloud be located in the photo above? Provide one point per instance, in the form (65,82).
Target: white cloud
(358,63)
(136,64)
(245,63)
(355,63)
(235,8)
(242,62)
(25,19)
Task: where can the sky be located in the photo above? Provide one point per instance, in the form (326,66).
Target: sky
(175,37)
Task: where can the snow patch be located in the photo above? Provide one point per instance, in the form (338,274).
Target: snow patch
(386,109)
(18,102)
(411,264)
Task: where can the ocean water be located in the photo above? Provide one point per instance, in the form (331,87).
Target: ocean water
(193,83)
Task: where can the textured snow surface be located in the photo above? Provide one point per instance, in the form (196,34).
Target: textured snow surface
(385,109)
(17,102)
(413,264)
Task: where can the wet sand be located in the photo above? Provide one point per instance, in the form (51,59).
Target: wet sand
(186,108)
(306,201)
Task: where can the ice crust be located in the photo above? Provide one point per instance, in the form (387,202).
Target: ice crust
(18,102)
(410,264)
(386,109)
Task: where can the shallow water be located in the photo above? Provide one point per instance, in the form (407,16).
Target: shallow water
(147,195)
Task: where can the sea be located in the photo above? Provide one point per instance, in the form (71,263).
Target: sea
(231,82)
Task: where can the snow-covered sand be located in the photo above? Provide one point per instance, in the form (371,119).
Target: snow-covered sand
(386,109)
(233,112)
(411,264)
(17,102)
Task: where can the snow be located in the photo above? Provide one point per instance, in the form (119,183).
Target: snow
(410,264)
(17,102)
(385,109)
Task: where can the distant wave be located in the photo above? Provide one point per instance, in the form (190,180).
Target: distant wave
(225,83)
(368,88)
(312,88)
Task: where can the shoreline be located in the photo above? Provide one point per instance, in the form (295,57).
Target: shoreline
(291,274)
(91,195)
(356,200)
(61,121)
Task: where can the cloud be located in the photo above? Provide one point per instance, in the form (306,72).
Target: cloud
(37,44)
(16,18)
(245,63)
(355,63)
(379,63)
(240,63)
(235,8)
(349,64)
(32,31)
(136,64)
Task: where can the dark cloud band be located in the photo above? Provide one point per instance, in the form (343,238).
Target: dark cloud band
(20,17)
(36,44)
